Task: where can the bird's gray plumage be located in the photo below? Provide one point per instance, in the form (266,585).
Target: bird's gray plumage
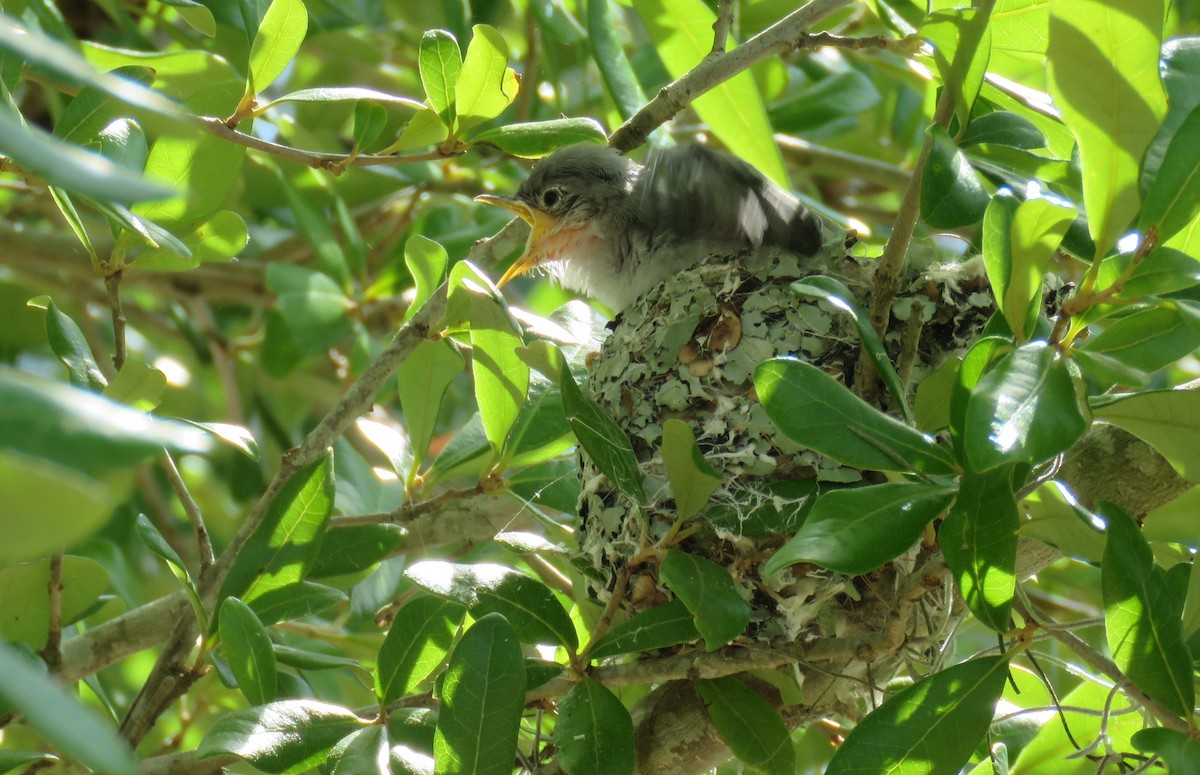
(640,224)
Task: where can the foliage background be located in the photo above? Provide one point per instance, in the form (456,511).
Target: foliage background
(232,231)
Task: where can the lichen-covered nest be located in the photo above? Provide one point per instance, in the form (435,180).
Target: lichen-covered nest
(688,350)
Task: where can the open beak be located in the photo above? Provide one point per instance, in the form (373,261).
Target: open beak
(540,224)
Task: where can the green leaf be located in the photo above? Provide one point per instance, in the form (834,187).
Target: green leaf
(365,752)
(832,291)
(285,736)
(247,650)
(312,303)
(1148,339)
(483,694)
(814,409)
(1025,409)
(69,166)
(295,601)
(81,430)
(665,625)
(541,431)
(234,435)
(138,385)
(11,760)
(693,480)
(1104,79)
(1142,616)
(62,200)
(1019,243)
(609,55)
(316,228)
(842,96)
(1179,750)
(593,733)
(283,546)
(25,597)
(146,230)
(69,346)
(72,729)
(370,119)
(47,507)
(344,94)
(440,62)
(1163,271)
(425,128)
(155,542)
(750,727)
(354,549)
(931,406)
(303,659)
(419,638)
(218,238)
(1003,127)
(1179,68)
(709,593)
(601,438)
(1173,198)
(952,195)
(682,33)
(979,540)
(931,728)
(530,607)
(279,36)
(422,380)
(426,262)
(962,46)
(1168,420)
(535,139)
(856,530)
(486,85)
(557,23)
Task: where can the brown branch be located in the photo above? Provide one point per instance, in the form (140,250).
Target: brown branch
(52,652)
(112,282)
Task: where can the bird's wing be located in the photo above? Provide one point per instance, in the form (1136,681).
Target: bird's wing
(691,192)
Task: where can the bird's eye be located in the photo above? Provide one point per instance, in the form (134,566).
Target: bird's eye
(551,197)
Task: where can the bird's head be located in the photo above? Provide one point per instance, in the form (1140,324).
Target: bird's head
(562,199)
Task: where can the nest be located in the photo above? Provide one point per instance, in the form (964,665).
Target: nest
(688,350)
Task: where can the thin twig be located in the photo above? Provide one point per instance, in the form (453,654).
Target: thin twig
(52,652)
(195,518)
(722,26)
(112,282)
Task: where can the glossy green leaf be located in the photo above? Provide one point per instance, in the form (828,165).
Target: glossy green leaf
(284,736)
(295,601)
(422,380)
(1107,370)
(618,75)
(138,385)
(842,96)
(247,650)
(602,439)
(234,435)
(1003,127)
(70,167)
(279,36)
(682,33)
(365,752)
(930,728)
(541,431)
(664,625)
(155,542)
(962,46)
(854,531)
(483,694)
(312,303)
(69,346)
(354,549)
(72,729)
(931,405)
(303,659)
(814,409)
(1179,750)
(1168,420)
(124,142)
(283,546)
(1173,198)
(218,238)
(1142,616)
(1180,66)
(750,727)
(977,362)
(440,62)
(709,593)
(833,292)
(344,94)
(1020,240)
(419,638)
(1148,339)
(1163,271)
(692,479)
(25,596)
(536,139)
(144,229)
(593,733)
(979,540)
(1025,409)
(952,195)
(529,606)
(557,23)
(82,430)
(486,85)
(1104,79)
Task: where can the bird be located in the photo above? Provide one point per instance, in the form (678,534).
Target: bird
(612,229)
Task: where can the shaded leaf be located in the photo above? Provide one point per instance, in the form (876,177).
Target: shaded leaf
(535,139)
(295,601)
(709,593)
(1147,340)
(601,438)
(25,597)
(1168,420)
(952,195)
(419,638)
(157,544)
(593,733)
(69,346)
(1173,198)
(979,540)
(248,652)
(665,625)
(354,548)
(750,727)
(693,480)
